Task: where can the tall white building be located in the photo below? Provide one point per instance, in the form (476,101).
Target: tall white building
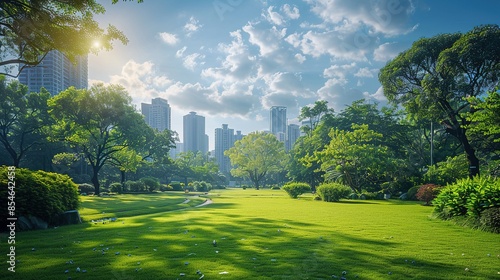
(277,120)
(55,73)
(292,135)
(224,140)
(157,114)
(194,136)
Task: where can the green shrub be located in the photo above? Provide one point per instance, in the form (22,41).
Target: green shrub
(202,186)
(135,186)
(296,189)
(427,193)
(39,193)
(412,193)
(468,197)
(86,188)
(176,186)
(331,192)
(116,187)
(490,219)
(447,172)
(150,183)
(166,188)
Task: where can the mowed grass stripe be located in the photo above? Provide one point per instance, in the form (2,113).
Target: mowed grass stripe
(262,235)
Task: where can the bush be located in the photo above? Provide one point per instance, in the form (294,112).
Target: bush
(202,186)
(296,189)
(116,187)
(39,193)
(166,188)
(150,183)
(86,188)
(135,186)
(412,193)
(490,219)
(467,197)
(427,193)
(176,186)
(331,192)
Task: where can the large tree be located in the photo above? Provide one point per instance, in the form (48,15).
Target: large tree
(100,123)
(433,79)
(30,29)
(23,119)
(257,155)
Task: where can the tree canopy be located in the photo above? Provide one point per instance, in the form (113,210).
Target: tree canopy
(23,119)
(99,122)
(257,155)
(433,79)
(31,29)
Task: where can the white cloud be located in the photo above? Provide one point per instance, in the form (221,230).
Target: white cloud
(192,26)
(291,12)
(388,17)
(180,52)
(378,95)
(386,52)
(141,81)
(192,60)
(273,17)
(365,72)
(300,58)
(268,40)
(168,38)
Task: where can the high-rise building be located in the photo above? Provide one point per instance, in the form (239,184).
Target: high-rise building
(195,139)
(157,114)
(224,140)
(277,120)
(292,135)
(55,73)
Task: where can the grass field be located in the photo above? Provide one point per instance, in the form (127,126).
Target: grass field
(260,234)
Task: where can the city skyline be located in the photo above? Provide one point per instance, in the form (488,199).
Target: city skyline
(231,61)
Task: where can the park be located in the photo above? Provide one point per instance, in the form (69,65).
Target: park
(260,234)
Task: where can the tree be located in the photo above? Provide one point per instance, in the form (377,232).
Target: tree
(358,158)
(23,119)
(31,29)
(100,122)
(433,79)
(314,114)
(257,155)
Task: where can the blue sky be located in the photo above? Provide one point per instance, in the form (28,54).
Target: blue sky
(231,60)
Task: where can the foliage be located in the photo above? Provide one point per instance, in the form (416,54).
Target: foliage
(85,188)
(294,189)
(202,186)
(176,186)
(135,186)
(39,193)
(490,218)
(331,192)
(433,78)
(447,172)
(427,193)
(150,183)
(30,29)
(358,158)
(256,155)
(116,187)
(467,197)
(312,115)
(412,193)
(100,122)
(23,119)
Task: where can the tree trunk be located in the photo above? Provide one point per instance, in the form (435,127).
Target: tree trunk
(95,180)
(469,150)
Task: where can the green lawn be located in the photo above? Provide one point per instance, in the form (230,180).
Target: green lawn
(260,235)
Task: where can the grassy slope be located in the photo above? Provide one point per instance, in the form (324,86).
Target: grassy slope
(261,235)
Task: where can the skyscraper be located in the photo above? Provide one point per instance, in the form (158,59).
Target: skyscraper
(292,136)
(277,120)
(55,73)
(195,139)
(224,140)
(157,114)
